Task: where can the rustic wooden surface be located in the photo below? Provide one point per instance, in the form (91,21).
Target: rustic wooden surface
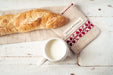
(95,59)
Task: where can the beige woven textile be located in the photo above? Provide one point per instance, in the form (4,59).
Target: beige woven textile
(78,33)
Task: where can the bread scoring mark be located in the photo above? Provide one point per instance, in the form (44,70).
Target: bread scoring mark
(7,25)
(5,20)
(30,20)
(47,24)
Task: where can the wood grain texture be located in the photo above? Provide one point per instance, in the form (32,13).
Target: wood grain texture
(101,49)
(96,57)
(55,69)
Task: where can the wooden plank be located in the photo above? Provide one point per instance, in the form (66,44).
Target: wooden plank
(22,49)
(55,70)
(19,60)
(100,51)
(89,7)
(20,4)
(34,60)
(95,7)
(104,23)
(27,53)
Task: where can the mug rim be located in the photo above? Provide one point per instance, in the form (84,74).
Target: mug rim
(66,50)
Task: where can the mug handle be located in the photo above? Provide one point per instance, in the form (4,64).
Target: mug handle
(42,61)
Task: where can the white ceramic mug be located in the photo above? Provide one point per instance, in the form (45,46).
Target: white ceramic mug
(55,49)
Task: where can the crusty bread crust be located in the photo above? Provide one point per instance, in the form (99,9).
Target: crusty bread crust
(30,20)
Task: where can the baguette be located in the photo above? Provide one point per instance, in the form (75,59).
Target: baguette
(30,20)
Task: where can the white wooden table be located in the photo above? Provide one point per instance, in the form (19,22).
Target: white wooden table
(95,59)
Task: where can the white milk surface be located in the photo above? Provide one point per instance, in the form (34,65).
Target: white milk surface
(55,49)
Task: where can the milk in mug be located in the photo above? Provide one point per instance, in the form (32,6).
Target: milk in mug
(55,49)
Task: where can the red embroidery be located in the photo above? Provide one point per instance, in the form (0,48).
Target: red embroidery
(80,32)
(67,8)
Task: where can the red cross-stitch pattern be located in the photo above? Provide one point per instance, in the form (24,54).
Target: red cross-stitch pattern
(80,32)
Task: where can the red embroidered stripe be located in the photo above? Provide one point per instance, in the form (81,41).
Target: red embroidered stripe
(80,32)
(66,9)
